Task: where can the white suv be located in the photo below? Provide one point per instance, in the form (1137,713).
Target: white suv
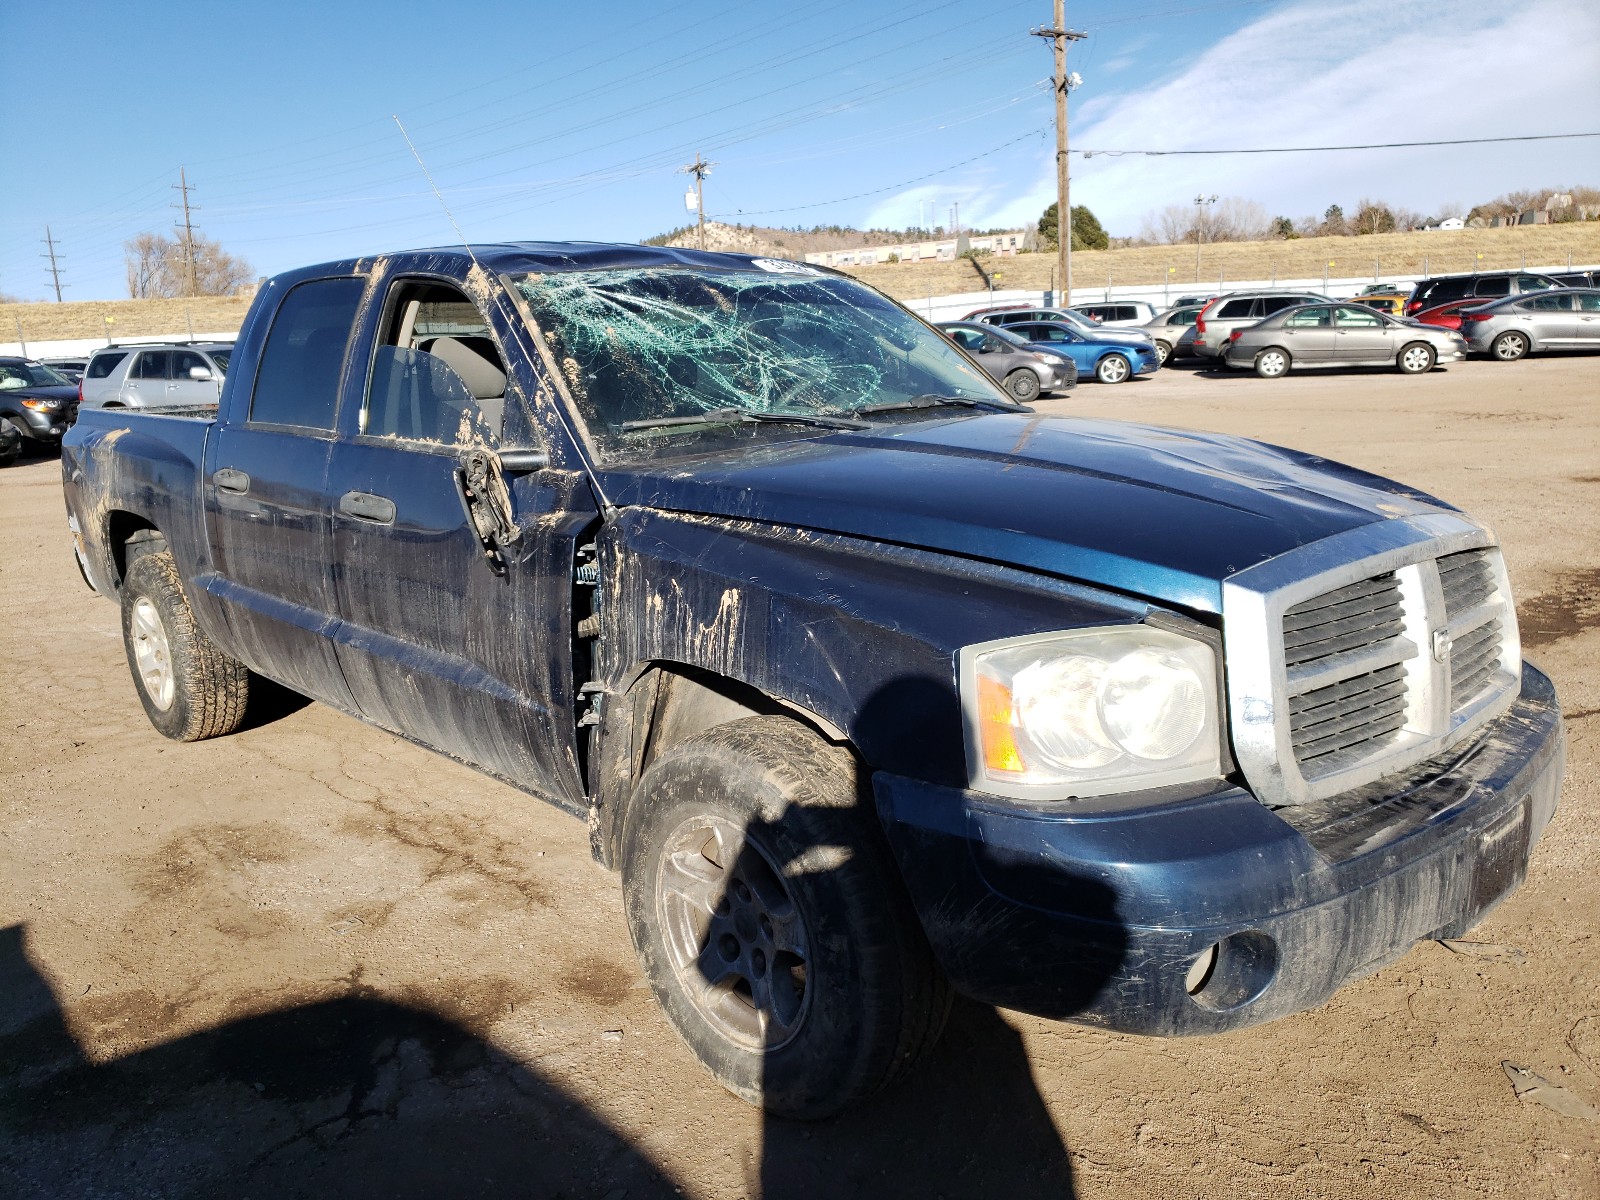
(1118,312)
(175,375)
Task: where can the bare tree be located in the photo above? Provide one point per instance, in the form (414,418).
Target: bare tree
(1373,216)
(159,266)
(1231,219)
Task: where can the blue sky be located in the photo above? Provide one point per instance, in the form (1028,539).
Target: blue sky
(541,120)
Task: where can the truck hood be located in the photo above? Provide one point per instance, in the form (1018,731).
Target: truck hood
(1165,514)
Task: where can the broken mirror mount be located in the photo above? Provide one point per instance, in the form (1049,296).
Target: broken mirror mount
(486,500)
(522,461)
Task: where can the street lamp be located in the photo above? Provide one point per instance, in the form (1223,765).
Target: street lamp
(1200,203)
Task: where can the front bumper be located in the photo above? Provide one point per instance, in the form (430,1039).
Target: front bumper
(1096,912)
(48,425)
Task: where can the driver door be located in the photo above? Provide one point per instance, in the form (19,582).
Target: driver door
(467,652)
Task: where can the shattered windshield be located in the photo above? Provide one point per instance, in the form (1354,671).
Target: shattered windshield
(647,351)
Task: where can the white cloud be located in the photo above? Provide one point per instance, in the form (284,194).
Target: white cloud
(1330,73)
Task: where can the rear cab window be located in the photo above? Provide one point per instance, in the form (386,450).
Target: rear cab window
(302,362)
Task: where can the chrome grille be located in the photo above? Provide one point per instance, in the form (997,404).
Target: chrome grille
(1467,580)
(1343,676)
(1332,636)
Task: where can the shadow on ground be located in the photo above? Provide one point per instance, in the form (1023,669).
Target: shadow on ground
(360,1097)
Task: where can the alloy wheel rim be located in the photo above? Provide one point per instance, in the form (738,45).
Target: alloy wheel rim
(1415,359)
(1272,363)
(152,654)
(1510,348)
(1113,371)
(734,935)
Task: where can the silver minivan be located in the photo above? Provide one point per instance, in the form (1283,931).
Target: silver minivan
(175,375)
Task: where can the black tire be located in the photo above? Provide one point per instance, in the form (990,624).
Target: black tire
(1416,358)
(10,454)
(208,689)
(853,996)
(1113,368)
(1163,351)
(1273,363)
(1021,385)
(1510,346)
(24,438)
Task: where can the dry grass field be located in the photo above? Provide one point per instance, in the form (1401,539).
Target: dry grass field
(1302,258)
(121,318)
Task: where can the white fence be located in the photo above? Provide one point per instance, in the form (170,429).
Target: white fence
(83,347)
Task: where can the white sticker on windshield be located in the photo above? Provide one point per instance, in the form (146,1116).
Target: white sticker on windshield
(779,266)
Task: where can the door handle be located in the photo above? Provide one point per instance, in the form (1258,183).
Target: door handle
(229,480)
(367,507)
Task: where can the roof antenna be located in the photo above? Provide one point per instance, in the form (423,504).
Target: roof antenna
(465,245)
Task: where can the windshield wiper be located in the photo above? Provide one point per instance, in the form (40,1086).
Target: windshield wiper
(932,400)
(743,416)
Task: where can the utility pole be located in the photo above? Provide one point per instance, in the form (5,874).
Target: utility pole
(1060,35)
(699,170)
(182,186)
(1200,203)
(55,268)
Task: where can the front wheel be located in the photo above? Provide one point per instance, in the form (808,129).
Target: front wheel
(1021,385)
(190,689)
(1416,359)
(1272,363)
(1113,368)
(1509,347)
(770,921)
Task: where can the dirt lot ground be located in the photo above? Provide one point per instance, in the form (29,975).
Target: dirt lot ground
(311,959)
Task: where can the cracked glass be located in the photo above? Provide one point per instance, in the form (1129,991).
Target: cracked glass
(644,351)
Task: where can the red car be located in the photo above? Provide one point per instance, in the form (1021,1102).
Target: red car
(1447,315)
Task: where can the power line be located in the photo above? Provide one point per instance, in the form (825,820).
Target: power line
(1536,137)
(699,169)
(50,253)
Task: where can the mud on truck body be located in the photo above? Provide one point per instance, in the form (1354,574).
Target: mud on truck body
(873,684)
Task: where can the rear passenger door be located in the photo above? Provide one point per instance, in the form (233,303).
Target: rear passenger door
(266,501)
(145,384)
(1309,335)
(470,655)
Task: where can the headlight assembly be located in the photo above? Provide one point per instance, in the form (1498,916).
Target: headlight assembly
(1089,712)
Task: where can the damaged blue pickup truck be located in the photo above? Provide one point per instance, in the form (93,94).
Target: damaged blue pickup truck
(874,684)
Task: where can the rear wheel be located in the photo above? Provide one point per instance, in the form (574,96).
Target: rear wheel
(1163,351)
(768,917)
(1509,346)
(1272,363)
(1416,359)
(1022,384)
(1113,368)
(190,689)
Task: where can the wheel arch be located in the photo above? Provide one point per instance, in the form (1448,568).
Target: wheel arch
(665,703)
(129,534)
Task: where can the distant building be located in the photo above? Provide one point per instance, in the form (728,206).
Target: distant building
(1001,245)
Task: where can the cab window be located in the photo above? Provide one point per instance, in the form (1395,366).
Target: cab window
(302,361)
(437,374)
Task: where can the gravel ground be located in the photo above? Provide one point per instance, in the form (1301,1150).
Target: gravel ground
(311,959)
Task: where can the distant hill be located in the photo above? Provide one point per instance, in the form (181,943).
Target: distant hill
(781,243)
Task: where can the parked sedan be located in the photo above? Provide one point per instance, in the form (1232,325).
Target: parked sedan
(1108,361)
(72,368)
(1173,331)
(1509,329)
(1022,315)
(1340,335)
(35,401)
(1023,371)
(1446,316)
